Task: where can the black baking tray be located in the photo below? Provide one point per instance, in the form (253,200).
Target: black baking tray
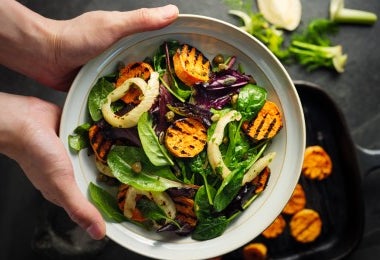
(338,199)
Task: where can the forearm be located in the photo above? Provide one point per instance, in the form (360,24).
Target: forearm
(24,38)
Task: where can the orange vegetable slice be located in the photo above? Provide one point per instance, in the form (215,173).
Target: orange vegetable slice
(191,66)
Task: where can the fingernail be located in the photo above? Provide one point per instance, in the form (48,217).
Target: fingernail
(95,231)
(169,11)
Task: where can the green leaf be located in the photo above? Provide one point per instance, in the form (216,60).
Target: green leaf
(228,189)
(157,153)
(210,228)
(96,97)
(106,203)
(120,160)
(79,139)
(250,100)
(151,210)
(203,209)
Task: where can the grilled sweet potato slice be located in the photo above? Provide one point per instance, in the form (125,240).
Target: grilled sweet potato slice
(261,181)
(305,225)
(190,65)
(99,143)
(186,137)
(296,202)
(267,123)
(133,70)
(185,210)
(255,251)
(276,228)
(317,163)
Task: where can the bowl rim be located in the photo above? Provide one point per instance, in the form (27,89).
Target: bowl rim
(157,249)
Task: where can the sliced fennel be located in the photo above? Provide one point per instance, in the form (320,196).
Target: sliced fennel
(340,14)
(149,90)
(162,199)
(284,14)
(213,151)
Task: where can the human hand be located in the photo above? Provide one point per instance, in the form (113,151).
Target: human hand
(28,133)
(57,49)
(76,41)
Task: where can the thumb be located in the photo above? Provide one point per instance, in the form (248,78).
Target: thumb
(82,212)
(147,19)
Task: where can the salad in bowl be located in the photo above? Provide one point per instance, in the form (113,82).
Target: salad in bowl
(185,141)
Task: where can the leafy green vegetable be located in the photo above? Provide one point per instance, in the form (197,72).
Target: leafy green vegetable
(312,48)
(317,32)
(151,178)
(152,211)
(209,228)
(106,203)
(96,97)
(203,207)
(157,153)
(316,56)
(250,100)
(228,189)
(79,139)
(256,25)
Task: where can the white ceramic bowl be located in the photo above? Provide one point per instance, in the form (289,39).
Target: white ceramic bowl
(211,36)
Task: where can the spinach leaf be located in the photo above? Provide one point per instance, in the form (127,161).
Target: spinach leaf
(159,58)
(228,189)
(79,139)
(200,166)
(106,203)
(250,100)
(120,160)
(152,211)
(96,97)
(203,208)
(157,153)
(209,228)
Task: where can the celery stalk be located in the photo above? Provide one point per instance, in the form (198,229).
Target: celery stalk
(340,14)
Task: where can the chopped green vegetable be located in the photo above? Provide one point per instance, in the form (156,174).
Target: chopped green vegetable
(340,14)
(315,56)
(256,25)
(312,48)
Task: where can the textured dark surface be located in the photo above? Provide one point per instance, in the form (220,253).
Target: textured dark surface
(24,233)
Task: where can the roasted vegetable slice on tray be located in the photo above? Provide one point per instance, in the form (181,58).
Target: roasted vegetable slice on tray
(276,228)
(305,225)
(296,202)
(317,163)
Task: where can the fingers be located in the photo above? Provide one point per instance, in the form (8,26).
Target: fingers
(149,18)
(46,162)
(82,212)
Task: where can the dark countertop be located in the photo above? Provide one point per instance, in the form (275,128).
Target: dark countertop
(356,91)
